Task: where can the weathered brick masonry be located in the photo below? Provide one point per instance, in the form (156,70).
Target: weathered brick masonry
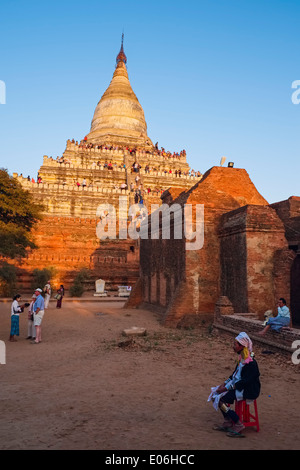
(71,244)
(251,239)
(246,255)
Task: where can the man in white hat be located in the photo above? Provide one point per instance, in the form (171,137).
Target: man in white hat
(38,314)
(243,384)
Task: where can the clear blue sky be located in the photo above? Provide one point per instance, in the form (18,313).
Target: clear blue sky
(213,77)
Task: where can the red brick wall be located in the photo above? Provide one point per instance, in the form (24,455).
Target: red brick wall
(71,244)
(253,259)
(162,267)
(195,274)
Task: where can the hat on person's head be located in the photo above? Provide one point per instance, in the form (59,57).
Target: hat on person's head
(38,290)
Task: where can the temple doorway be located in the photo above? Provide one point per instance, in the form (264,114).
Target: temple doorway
(295,291)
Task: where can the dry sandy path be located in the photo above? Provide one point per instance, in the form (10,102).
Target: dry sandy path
(79,389)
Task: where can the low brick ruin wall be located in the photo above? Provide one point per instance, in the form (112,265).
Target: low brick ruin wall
(274,341)
(229,322)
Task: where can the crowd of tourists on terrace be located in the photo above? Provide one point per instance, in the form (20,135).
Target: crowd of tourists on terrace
(136,167)
(162,152)
(136,187)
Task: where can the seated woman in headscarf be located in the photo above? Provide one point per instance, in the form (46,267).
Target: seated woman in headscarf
(243,384)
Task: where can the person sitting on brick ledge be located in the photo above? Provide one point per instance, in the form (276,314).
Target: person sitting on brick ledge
(281,321)
(243,384)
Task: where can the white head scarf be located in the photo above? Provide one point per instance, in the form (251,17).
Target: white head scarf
(245,341)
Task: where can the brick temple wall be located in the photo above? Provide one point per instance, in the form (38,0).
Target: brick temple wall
(162,269)
(289,213)
(71,244)
(220,191)
(254,250)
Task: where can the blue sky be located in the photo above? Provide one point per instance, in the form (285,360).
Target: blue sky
(213,77)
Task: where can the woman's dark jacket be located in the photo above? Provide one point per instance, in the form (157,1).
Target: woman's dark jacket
(249,381)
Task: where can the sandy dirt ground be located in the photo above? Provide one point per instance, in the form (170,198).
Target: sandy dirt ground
(82,388)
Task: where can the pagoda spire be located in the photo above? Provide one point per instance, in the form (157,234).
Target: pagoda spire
(121,57)
(119,118)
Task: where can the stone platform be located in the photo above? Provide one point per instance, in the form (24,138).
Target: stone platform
(229,322)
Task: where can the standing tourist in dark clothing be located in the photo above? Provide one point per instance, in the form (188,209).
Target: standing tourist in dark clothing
(59,296)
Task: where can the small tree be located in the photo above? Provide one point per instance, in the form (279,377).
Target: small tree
(18,215)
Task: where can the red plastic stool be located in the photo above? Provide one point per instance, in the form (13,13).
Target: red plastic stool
(242,409)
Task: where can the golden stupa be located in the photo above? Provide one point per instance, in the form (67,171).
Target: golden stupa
(119,118)
(116,158)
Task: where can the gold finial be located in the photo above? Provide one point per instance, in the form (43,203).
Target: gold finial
(121,57)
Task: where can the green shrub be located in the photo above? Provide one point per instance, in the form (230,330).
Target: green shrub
(8,279)
(77,288)
(41,276)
